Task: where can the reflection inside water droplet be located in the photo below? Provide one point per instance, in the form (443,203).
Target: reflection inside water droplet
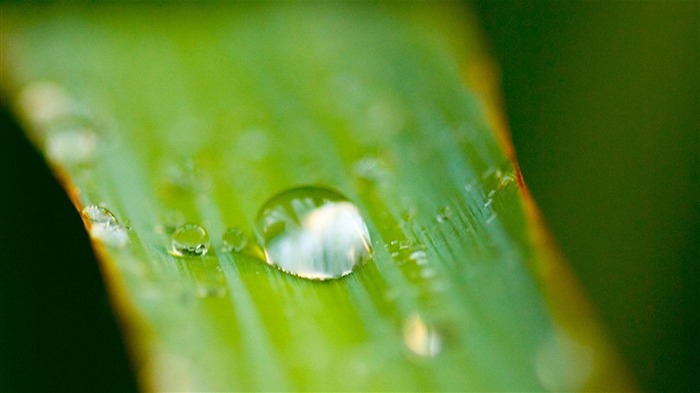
(421,338)
(313,233)
(103,225)
(189,240)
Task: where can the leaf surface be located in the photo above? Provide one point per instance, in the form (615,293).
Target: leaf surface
(167,115)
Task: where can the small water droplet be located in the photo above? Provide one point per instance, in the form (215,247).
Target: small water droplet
(103,225)
(189,240)
(444,214)
(71,141)
(98,215)
(420,337)
(505,181)
(401,250)
(43,101)
(313,233)
(234,240)
(419,257)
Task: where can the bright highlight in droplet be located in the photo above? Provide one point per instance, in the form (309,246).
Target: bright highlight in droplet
(314,233)
(103,226)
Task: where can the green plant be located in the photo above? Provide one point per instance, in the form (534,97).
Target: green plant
(163,123)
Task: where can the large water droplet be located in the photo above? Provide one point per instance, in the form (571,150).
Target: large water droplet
(313,233)
(103,225)
(189,240)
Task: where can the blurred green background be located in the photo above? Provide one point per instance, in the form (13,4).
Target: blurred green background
(603,101)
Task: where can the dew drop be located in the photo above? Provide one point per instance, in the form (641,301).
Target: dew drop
(43,101)
(420,337)
(103,225)
(234,240)
(189,240)
(505,181)
(403,250)
(71,142)
(313,233)
(420,257)
(98,215)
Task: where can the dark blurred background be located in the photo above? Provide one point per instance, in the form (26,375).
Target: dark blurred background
(603,101)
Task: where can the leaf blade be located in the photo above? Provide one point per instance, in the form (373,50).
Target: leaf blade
(378,112)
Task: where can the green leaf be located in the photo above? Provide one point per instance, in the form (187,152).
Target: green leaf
(167,115)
